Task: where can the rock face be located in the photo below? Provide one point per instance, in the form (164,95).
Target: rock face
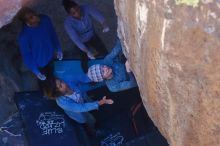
(8,10)
(173,48)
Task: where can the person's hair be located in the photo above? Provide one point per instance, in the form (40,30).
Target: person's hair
(68,4)
(50,89)
(23,12)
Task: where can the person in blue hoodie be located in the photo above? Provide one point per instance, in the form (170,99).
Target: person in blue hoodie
(73,100)
(38,42)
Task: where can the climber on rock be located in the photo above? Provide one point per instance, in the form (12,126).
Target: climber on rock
(113,71)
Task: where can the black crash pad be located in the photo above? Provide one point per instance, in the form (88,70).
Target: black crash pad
(126,122)
(46,124)
(153,138)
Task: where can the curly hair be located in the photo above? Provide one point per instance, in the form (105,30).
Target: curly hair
(50,89)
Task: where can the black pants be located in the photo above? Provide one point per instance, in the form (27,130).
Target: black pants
(96,43)
(48,71)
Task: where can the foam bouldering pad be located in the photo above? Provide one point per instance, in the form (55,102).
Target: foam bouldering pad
(116,131)
(114,122)
(71,69)
(153,138)
(124,122)
(46,124)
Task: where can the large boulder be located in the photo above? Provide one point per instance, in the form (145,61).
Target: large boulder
(8,10)
(173,48)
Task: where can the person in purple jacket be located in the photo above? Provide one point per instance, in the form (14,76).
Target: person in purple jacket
(79,27)
(38,42)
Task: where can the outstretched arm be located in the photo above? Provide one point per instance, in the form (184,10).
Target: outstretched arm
(70,105)
(124,85)
(116,51)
